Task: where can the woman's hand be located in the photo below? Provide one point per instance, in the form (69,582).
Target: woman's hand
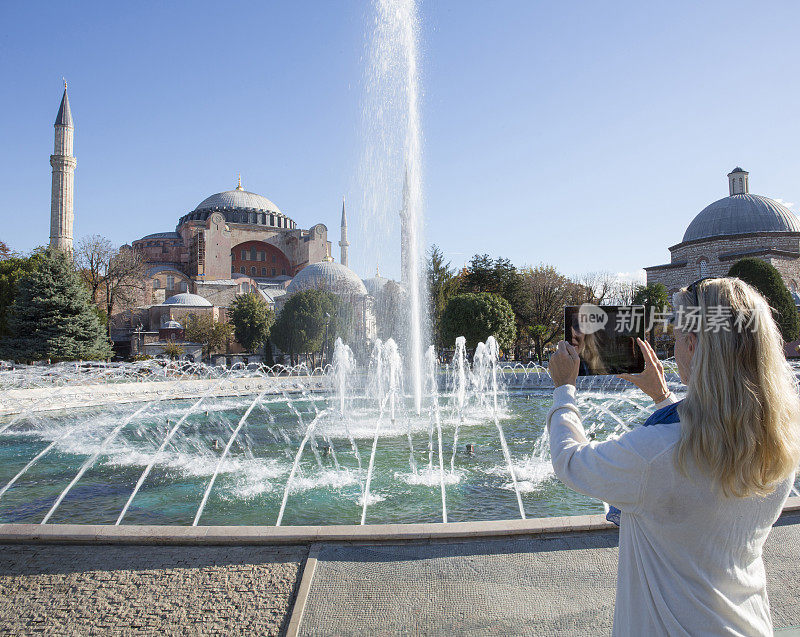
(651,381)
(564,365)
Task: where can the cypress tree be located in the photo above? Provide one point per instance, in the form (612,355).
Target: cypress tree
(765,278)
(52,317)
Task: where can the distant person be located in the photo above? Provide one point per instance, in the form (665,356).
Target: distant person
(699,492)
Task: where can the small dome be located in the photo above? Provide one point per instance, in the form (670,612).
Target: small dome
(740,214)
(375,284)
(738,169)
(328,276)
(172,325)
(188,299)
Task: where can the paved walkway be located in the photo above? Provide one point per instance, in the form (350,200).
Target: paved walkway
(547,585)
(557,585)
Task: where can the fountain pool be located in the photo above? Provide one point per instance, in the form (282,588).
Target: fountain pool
(357,452)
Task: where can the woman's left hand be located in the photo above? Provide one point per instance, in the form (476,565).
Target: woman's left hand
(564,365)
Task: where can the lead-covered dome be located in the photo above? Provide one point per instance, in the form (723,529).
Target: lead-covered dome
(375,285)
(329,277)
(188,299)
(739,214)
(237,200)
(240,206)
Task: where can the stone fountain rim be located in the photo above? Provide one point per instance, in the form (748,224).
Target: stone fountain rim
(266,535)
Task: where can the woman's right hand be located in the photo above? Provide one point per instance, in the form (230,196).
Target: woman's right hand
(651,381)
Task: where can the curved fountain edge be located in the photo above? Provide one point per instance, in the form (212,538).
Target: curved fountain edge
(238,535)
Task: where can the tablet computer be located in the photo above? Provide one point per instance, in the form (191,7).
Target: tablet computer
(605,337)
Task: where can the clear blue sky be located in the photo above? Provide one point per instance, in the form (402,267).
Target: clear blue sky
(586,135)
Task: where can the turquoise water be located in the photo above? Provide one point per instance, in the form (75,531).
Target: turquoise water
(253,477)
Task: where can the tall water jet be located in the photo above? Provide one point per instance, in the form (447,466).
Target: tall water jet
(344,363)
(459,386)
(393,156)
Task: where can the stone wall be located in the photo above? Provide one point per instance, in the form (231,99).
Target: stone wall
(781,250)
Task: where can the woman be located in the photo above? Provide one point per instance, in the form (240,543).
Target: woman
(698,496)
(588,351)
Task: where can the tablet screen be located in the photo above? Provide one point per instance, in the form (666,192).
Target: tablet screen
(605,337)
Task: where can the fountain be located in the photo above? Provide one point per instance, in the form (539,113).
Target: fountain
(142,442)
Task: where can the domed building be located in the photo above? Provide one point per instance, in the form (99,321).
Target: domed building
(337,278)
(231,234)
(732,228)
(328,276)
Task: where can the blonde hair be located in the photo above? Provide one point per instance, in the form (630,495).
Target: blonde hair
(741,414)
(591,354)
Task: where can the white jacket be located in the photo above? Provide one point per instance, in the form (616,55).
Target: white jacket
(689,558)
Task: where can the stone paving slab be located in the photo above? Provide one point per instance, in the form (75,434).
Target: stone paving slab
(166,590)
(557,585)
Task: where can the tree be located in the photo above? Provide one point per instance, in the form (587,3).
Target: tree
(547,291)
(625,291)
(5,251)
(307,318)
(498,276)
(476,317)
(765,278)
(214,335)
(252,320)
(52,317)
(654,297)
(12,269)
(115,276)
(442,285)
(173,350)
(92,256)
(594,287)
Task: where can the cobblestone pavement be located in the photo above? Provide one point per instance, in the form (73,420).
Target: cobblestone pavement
(179,590)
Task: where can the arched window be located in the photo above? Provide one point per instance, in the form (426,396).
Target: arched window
(170,282)
(263,271)
(156,284)
(253,270)
(242,270)
(184,286)
(703,267)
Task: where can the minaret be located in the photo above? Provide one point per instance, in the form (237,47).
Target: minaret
(737,182)
(404,256)
(343,244)
(63,163)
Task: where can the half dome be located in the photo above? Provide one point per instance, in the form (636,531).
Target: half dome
(740,214)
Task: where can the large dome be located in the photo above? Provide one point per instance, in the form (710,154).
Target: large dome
(240,206)
(328,276)
(741,213)
(237,200)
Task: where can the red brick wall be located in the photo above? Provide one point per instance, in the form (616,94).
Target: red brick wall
(269,260)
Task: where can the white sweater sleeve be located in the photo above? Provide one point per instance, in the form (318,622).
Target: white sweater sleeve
(611,471)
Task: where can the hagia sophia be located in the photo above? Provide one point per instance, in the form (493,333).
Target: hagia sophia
(233,242)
